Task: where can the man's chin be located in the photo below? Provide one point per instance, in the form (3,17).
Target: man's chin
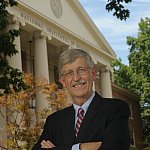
(79,95)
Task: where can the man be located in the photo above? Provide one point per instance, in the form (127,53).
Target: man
(92,122)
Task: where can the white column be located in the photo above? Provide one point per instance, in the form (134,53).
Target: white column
(41,57)
(40,69)
(15,60)
(106,89)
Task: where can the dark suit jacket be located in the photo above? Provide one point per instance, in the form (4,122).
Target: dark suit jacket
(106,120)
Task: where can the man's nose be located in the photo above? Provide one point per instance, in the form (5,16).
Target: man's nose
(76,76)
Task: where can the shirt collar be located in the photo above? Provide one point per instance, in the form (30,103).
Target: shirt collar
(84,106)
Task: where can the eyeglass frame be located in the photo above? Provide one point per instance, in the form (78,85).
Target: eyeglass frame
(80,71)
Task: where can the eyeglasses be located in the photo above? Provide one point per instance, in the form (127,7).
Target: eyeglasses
(79,71)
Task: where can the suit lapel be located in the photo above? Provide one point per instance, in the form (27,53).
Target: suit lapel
(88,119)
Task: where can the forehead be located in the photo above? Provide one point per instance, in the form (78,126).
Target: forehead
(80,62)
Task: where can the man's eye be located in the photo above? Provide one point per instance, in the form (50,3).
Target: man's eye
(68,73)
(81,70)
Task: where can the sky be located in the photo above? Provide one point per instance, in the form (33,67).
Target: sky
(114,30)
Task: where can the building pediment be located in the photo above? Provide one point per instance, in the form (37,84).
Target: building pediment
(71,17)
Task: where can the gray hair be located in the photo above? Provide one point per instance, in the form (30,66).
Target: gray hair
(71,55)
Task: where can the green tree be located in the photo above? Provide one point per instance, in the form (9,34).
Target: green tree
(8,75)
(119,10)
(122,74)
(139,60)
(136,76)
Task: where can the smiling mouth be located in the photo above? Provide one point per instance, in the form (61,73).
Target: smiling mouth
(78,85)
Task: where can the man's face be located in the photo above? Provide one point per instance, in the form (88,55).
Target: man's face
(78,79)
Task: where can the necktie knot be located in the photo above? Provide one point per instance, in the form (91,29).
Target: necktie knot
(80,112)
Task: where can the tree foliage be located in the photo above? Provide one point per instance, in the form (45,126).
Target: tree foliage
(122,74)
(22,130)
(139,60)
(136,76)
(119,10)
(8,74)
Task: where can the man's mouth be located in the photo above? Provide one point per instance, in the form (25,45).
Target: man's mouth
(78,84)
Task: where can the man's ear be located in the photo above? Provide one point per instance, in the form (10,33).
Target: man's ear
(61,80)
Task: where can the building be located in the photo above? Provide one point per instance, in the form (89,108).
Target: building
(50,26)
(135,122)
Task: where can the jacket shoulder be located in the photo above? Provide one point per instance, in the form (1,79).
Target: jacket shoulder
(111,103)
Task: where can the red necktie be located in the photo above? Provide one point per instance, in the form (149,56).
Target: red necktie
(80,116)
